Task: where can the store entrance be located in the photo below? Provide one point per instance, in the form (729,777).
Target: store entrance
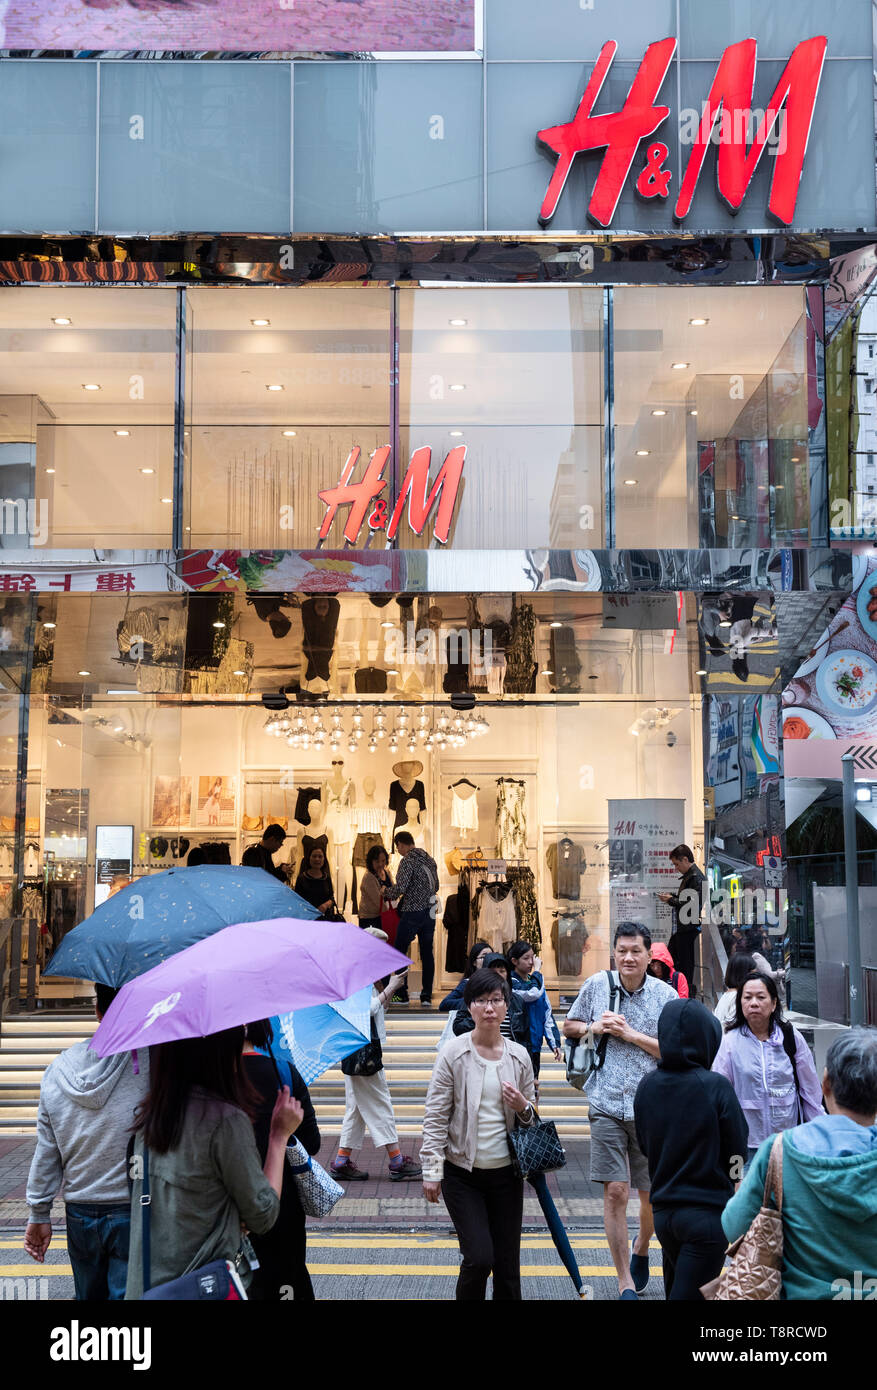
(517,737)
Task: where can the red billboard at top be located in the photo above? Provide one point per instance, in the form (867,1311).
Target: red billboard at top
(247,26)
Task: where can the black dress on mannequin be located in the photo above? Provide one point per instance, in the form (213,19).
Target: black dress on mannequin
(320,621)
(399,796)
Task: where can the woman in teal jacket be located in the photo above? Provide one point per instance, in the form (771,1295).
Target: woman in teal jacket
(829,1182)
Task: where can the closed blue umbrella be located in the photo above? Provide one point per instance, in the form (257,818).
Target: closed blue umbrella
(161,914)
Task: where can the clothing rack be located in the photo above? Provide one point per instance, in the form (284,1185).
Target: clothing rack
(517,781)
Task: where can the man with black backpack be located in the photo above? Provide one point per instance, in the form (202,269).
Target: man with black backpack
(617,1012)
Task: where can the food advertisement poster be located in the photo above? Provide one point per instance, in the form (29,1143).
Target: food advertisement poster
(830,704)
(641,834)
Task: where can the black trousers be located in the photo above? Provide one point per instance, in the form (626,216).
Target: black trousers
(487,1208)
(681,947)
(282,1252)
(693,1246)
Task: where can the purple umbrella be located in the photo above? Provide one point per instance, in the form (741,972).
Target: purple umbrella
(242,973)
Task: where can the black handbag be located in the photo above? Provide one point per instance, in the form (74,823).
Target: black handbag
(536,1148)
(368,1060)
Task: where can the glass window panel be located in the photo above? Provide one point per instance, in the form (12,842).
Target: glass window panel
(47,114)
(383,147)
(707,29)
(195,147)
(258,458)
(707,414)
(562,27)
(87,467)
(515,376)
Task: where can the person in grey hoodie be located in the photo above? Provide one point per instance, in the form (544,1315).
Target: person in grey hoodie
(84,1123)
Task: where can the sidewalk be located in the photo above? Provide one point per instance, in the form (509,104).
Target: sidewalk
(375,1204)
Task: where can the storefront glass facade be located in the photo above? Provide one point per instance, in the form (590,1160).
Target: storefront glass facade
(311,393)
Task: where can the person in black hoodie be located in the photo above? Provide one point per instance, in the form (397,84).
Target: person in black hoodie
(694,1136)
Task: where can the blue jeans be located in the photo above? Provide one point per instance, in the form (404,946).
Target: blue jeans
(97,1243)
(422,925)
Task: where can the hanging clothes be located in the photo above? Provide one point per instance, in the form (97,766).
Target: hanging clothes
(319,618)
(523,881)
(303,799)
(464,810)
(497,919)
(511,819)
(569,937)
(456,934)
(566,864)
(371,819)
(521,666)
(565,661)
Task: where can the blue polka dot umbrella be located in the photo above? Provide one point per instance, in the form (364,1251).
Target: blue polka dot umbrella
(161,914)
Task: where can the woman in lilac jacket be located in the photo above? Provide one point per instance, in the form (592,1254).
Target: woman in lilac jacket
(755,1057)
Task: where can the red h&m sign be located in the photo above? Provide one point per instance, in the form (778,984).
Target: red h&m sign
(367,505)
(729,100)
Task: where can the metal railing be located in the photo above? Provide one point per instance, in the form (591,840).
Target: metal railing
(710,965)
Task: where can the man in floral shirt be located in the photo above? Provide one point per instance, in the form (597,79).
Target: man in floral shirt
(631,1028)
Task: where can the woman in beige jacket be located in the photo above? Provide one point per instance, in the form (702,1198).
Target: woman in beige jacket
(482,1086)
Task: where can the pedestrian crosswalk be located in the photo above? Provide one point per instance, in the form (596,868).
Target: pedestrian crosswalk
(382,1263)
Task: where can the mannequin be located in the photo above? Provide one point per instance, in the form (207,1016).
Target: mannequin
(340,794)
(405,787)
(371,826)
(414,827)
(317,832)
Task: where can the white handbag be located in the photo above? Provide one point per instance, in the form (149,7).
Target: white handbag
(318,1191)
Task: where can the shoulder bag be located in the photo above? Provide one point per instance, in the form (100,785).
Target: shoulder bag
(586,1055)
(368,1060)
(317,1190)
(216,1282)
(755,1271)
(536,1148)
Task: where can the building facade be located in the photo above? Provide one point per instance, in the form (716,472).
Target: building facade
(458,422)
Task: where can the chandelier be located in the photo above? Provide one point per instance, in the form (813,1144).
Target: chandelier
(423,728)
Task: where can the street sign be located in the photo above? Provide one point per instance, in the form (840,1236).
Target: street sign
(774,875)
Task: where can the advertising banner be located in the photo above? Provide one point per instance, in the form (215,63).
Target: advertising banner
(641,834)
(250,26)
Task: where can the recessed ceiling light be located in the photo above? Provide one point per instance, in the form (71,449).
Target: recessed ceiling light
(555,624)
(289,434)
(48,625)
(219,624)
(546,673)
(90,386)
(698,323)
(458,323)
(83,673)
(456,434)
(392,672)
(122,434)
(458,386)
(387,623)
(795,458)
(62,323)
(642,453)
(274,387)
(700,672)
(260,323)
(239,673)
(692,412)
(50,470)
(630,482)
(779,487)
(678,366)
(659,412)
(167,500)
(147,470)
(724,622)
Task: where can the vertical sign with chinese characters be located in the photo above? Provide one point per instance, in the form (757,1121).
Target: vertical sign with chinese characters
(642,833)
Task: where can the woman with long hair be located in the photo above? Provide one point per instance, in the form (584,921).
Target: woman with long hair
(371,890)
(738,969)
(282,1251)
(314,883)
(768,1063)
(205,1178)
